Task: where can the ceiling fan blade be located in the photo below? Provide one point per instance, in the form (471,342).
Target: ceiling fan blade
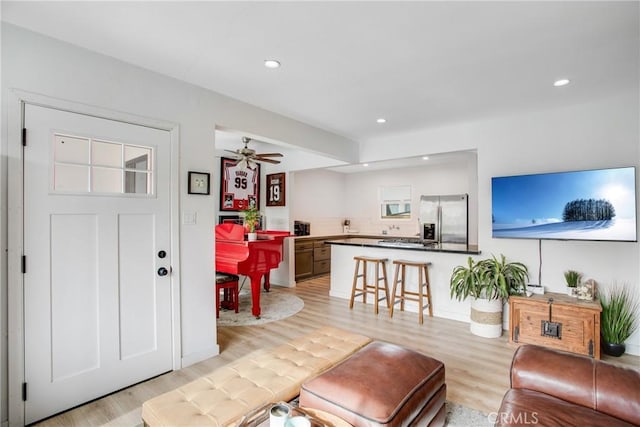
(269,155)
(260,159)
(232,151)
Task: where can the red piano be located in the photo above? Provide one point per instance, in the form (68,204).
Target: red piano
(254,259)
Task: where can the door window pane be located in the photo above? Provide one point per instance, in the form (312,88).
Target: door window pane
(71,178)
(106,154)
(137,182)
(85,165)
(106,180)
(69,149)
(137,157)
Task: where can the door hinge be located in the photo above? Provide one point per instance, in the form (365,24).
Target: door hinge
(24,137)
(24,264)
(591,348)
(24,392)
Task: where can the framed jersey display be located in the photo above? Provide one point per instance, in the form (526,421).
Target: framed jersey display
(239,186)
(275,189)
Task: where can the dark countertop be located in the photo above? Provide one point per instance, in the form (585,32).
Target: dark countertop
(375,243)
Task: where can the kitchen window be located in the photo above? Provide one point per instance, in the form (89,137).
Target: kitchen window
(395,202)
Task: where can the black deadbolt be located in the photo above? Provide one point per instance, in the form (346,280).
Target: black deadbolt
(162,254)
(162,271)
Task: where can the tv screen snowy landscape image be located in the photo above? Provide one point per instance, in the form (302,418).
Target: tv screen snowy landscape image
(583,205)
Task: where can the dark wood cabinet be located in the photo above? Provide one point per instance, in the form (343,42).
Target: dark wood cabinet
(557,321)
(304,259)
(313,258)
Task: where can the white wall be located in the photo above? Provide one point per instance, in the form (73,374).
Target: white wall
(318,195)
(600,134)
(37,64)
(362,195)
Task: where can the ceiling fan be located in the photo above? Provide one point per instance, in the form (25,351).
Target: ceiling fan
(247,157)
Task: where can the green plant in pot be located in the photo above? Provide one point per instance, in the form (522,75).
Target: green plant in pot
(618,320)
(572,278)
(488,282)
(251,218)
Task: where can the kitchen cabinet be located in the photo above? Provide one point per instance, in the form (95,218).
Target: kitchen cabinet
(304,259)
(321,258)
(313,257)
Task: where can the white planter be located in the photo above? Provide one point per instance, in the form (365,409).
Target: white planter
(486,318)
(252,236)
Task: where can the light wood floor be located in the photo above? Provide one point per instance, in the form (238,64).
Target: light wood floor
(477,369)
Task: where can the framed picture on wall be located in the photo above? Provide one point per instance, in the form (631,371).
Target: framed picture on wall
(198,183)
(275,189)
(239,186)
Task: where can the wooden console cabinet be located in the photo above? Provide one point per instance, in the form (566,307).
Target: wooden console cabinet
(557,321)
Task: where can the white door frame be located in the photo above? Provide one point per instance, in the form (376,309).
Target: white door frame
(17,100)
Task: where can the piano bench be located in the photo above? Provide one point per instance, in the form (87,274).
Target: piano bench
(228,283)
(224,396)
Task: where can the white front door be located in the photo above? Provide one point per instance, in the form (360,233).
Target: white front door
(97,302)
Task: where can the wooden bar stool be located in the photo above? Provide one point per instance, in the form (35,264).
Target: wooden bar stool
(228,283)
(420,295)
(372,288)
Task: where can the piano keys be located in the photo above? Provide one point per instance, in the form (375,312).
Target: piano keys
(254,259)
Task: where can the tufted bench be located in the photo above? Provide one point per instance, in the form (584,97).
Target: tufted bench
(222,397)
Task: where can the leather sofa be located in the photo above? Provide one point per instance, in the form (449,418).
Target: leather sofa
(554,388)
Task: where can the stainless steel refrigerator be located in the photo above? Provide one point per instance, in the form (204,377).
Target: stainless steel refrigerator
(445,219)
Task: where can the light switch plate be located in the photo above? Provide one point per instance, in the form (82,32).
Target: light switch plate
(189,218)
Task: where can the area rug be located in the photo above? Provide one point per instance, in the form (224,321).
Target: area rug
(461,416)
(276,304)
(457,416)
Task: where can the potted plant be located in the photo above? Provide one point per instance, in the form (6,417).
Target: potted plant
(251,217)
(618,320)
(488,282)
(572,278)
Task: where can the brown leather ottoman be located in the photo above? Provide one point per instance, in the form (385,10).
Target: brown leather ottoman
(381,385)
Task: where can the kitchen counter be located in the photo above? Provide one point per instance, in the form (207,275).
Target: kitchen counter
(443,260)
(380,243)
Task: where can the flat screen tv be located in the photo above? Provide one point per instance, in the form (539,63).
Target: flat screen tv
(582,205)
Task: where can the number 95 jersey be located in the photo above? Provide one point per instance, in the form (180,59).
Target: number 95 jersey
(241,182)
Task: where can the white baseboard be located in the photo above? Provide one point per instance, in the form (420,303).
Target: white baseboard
(199,356)
(339,295)
(632,349)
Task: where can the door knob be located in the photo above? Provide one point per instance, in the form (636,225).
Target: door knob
(162,271)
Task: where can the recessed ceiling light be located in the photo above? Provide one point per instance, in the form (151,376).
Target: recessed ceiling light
(271,63)
(381,120)
(425,158)
(365,164)
(561,82)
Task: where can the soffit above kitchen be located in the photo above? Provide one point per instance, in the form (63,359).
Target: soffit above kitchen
(345,64)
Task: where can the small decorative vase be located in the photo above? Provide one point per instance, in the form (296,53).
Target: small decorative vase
(572,292)
(613,349)
(252,236)
(587,290)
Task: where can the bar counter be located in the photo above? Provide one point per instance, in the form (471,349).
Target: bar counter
(454,248)
(442,258)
